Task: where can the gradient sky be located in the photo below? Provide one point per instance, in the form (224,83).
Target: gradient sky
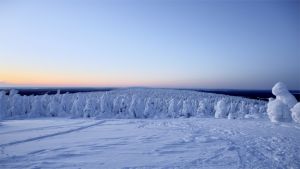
(167,43)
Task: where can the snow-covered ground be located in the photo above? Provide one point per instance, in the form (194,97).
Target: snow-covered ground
(149,143)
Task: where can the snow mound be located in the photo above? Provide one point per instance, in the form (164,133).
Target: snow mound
(296,113)
(131,103)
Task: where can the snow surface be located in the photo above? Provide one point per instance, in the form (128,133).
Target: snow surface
(149,143)
(131,103)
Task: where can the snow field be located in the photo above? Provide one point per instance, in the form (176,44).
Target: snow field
(149,143)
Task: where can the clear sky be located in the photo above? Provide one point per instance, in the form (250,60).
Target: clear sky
(156,43)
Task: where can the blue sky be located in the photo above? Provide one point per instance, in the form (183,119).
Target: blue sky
(168,43)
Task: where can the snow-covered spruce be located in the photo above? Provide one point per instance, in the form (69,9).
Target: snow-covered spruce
(131,103)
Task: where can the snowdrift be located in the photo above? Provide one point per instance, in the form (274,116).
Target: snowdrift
(131,103)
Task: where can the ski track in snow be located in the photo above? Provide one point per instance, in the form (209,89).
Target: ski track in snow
(161,143)
(40,128)
(50,135)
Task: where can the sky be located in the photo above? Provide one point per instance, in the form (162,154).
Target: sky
(215,44)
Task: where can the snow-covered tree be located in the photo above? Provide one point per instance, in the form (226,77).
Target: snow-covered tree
(137,107)
(187,109)
(282,93)
(221,109)
(90,108)
(36,108)
(55,106)
(78,106)
(3,105)
(17,107)
(278,111)
(296,113)
(279,108)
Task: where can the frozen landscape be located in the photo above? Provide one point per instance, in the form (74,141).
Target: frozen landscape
(150,84)
(149,128)
(148,143)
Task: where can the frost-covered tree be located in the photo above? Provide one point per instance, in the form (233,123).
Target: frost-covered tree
(282,93)
(187,109)
(137,107)
(296,113)
(232,110)
(121,105)
(78,106)
(3,105)
(279,108)
(90,108)
(278,111)
(221,109)
(66,103)
(36,108)
(204,109)
(17,107)
(55,106)
(171,108)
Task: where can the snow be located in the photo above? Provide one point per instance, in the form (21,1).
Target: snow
(281,92)
(296,113)
(148,143)
(279,109)
(221,109)
(130,103)
(149,128)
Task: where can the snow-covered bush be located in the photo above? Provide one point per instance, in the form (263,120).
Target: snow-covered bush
(296,113)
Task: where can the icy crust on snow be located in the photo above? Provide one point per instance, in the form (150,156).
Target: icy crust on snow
(131,103)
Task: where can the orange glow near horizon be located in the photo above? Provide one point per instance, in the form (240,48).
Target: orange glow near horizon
(39,79)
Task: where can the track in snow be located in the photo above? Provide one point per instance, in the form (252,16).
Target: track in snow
(50,135)
(166,143)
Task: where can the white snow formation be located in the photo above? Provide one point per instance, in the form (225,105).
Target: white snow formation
(282,93)
(296,113)
(131,103)
(279,108)
(278,111)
